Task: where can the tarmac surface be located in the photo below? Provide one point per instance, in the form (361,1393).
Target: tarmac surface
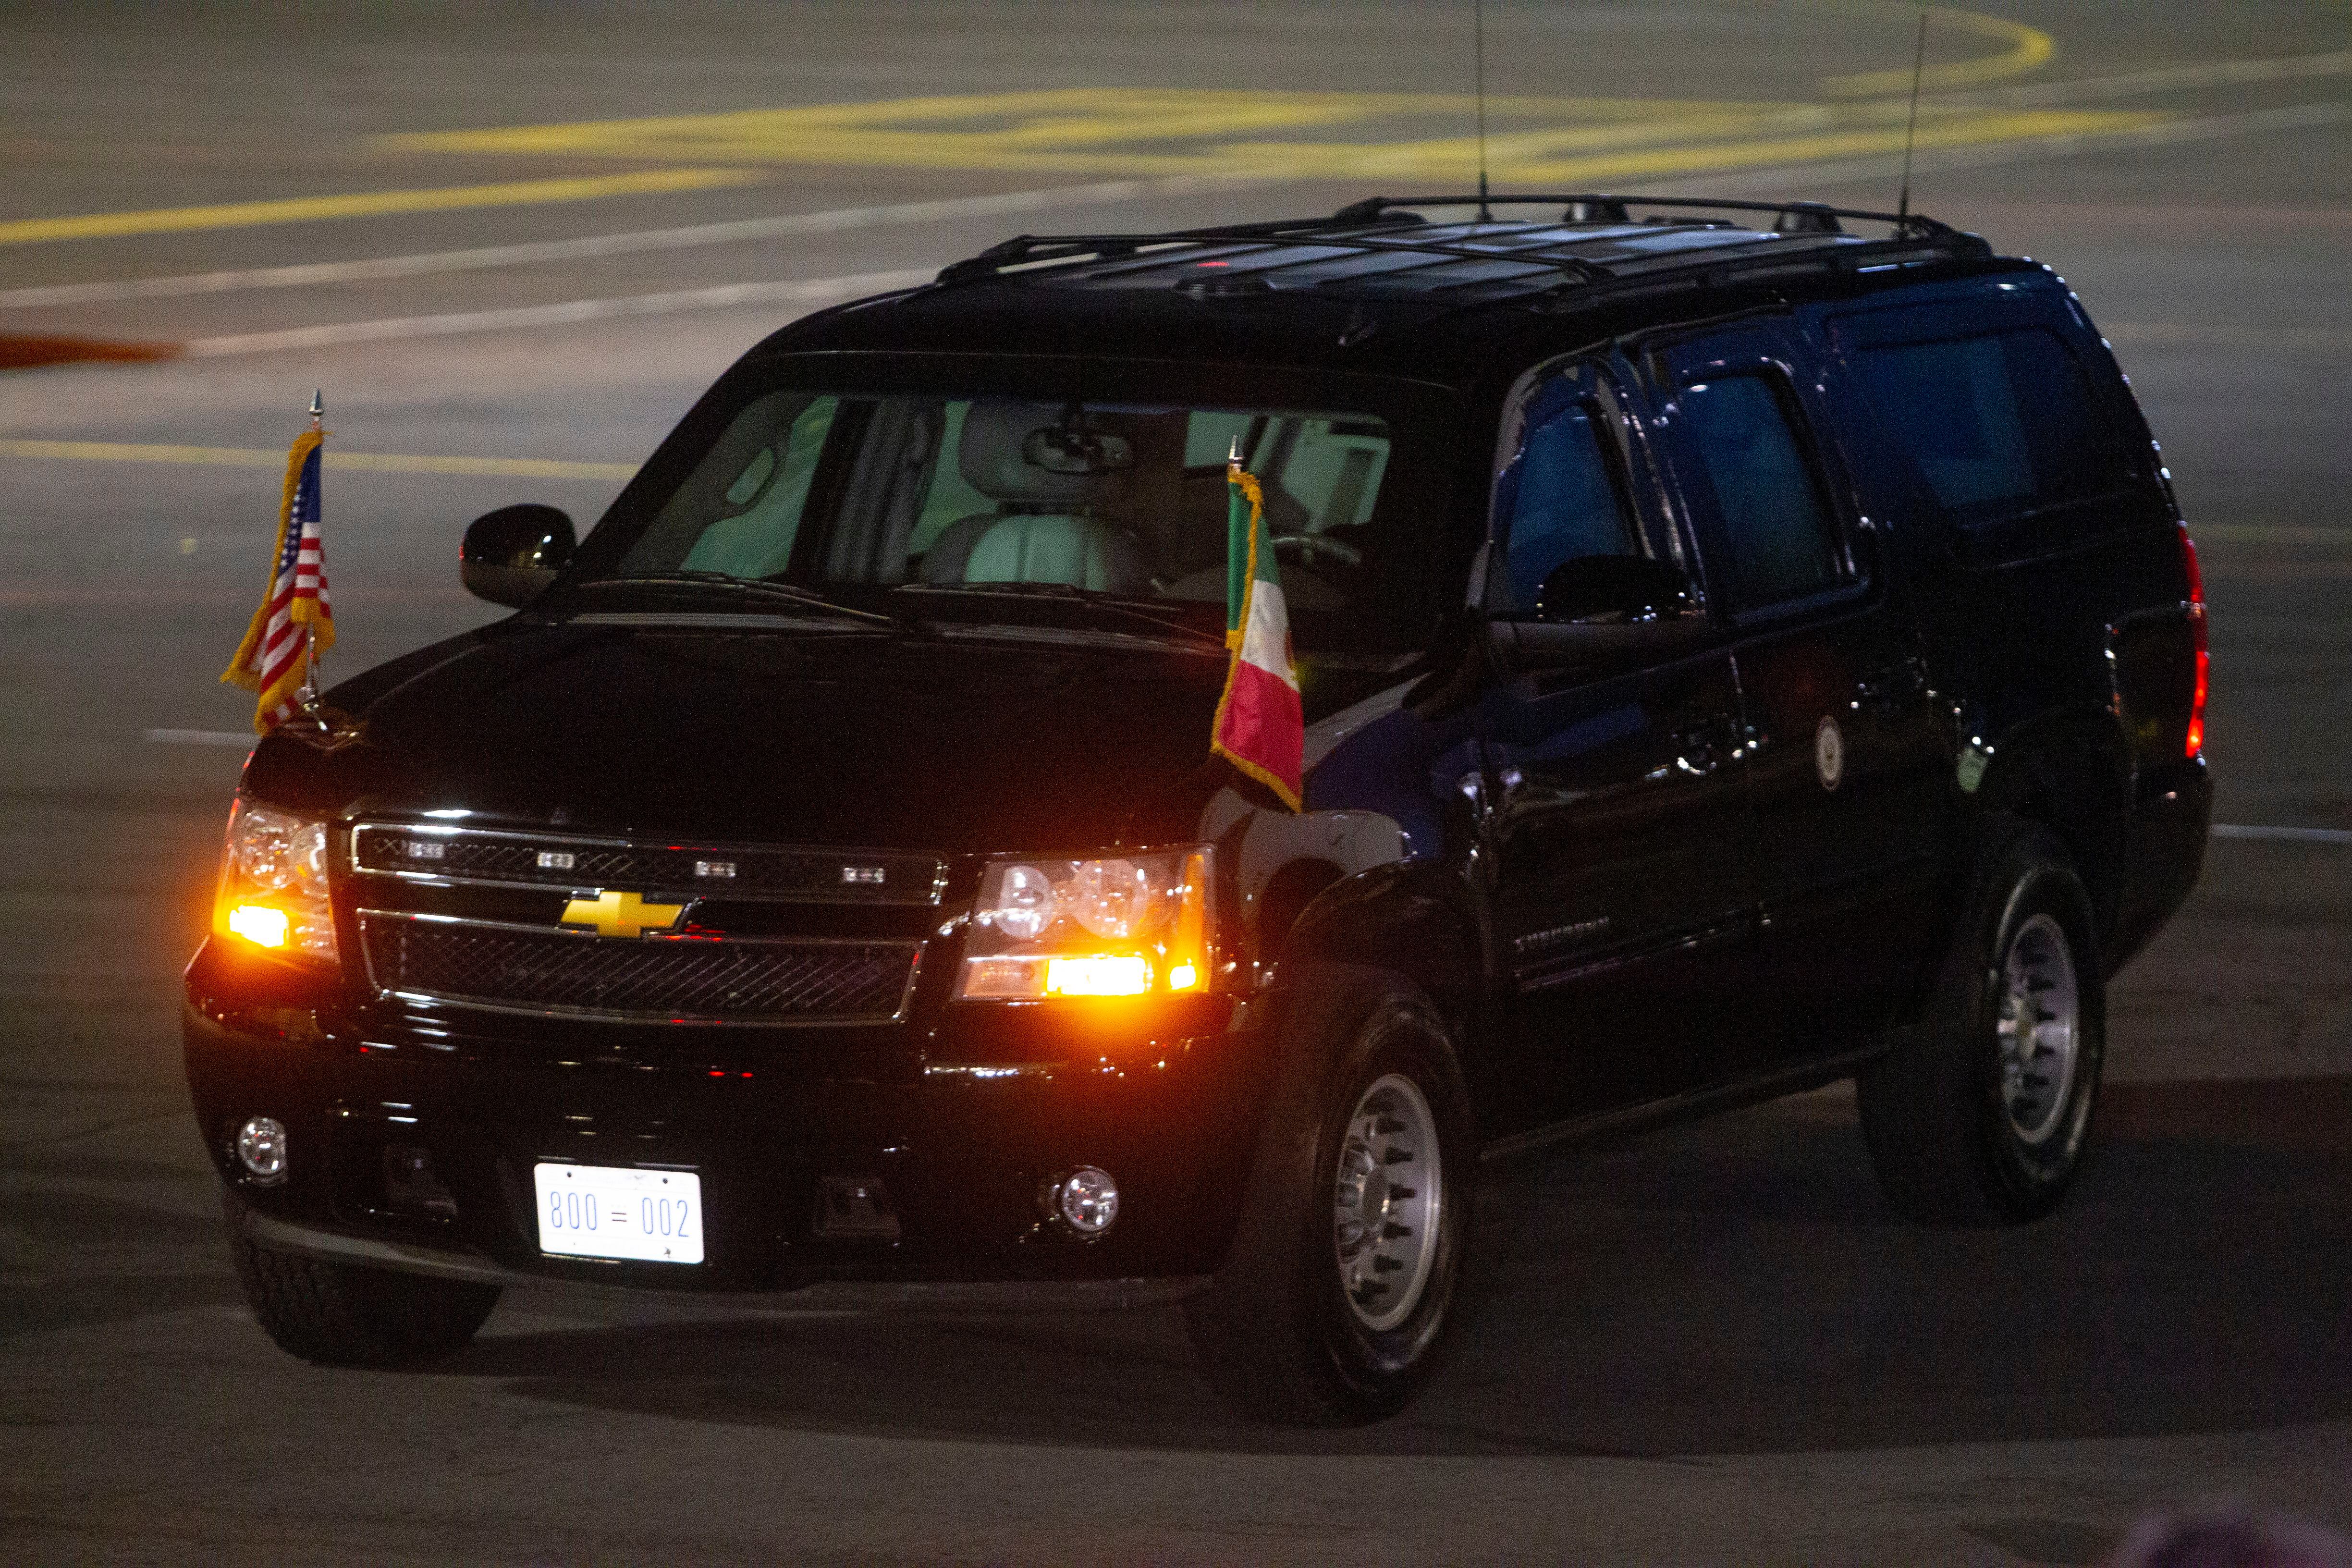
(1709,1346)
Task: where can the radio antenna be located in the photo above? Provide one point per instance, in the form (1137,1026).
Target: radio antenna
(1479,34)
(1911,127)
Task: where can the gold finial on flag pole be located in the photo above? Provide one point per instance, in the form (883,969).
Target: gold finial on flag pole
(317,406)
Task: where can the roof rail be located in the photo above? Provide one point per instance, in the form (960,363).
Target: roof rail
(1591,206)
(1387,223)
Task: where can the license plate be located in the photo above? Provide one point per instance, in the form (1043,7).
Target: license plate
(605,1211)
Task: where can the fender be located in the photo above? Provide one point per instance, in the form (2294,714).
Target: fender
(2070,769)
(1419,920)
(1374,870)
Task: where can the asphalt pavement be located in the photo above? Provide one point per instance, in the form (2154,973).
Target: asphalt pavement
(511,243)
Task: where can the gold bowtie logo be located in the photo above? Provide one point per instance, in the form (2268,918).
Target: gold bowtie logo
(621,914)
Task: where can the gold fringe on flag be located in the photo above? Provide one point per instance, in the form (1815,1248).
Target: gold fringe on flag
(245,670)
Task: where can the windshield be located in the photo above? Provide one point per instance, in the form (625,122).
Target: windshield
(866,499)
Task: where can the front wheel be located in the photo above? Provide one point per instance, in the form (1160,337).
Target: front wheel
(1983,1111)
(1341,1280)
(340,1314)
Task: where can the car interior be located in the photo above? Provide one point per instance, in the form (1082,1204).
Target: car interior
(1112,499)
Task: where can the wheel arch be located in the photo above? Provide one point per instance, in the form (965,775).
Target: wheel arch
(1411,918)
(2071,773)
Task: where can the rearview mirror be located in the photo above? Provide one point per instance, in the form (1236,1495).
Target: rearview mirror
(510,555)
(1621,590)
(1061,450)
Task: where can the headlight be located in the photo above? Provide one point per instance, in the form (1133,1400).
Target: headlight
(1126,926)
(273,883)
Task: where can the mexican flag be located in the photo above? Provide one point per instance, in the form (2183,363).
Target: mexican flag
(1260,728)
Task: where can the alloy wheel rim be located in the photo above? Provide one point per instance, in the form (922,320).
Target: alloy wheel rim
(2038,1029)
(1387,1202)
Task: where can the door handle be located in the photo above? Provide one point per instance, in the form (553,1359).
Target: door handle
(1892,683)
(1704,749)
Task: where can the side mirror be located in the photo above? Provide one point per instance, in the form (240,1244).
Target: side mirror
(510,555)
(1621,590)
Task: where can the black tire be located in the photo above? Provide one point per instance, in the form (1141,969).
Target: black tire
(337,1314)
(1962,1129)
(1280,1331)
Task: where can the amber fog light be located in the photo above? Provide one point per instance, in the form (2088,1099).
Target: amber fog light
(1086,1200)
(261,1149)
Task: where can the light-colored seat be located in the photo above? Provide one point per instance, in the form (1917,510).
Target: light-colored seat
(1042,530)
(1029,547)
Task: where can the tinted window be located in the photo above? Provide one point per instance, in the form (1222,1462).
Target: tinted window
(743,510)
(1998,424)
(1783,544)
(1564,501)
(1121,498)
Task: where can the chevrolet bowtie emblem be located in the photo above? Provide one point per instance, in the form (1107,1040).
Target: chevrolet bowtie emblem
(621,914)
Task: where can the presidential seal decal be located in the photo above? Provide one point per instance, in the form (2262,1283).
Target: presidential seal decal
(1829,751)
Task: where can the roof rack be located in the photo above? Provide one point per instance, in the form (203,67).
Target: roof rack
(1388,224)
(1591,206)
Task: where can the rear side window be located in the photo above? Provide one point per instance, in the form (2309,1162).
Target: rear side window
(1998,424)
(1783,540)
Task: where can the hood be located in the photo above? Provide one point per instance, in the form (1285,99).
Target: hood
(957,742)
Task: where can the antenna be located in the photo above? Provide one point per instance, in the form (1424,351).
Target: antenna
(1478,33)
(1911,127)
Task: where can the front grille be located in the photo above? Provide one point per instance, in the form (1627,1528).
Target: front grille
(464,855)
(665,979)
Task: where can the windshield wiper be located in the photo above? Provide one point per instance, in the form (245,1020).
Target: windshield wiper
(750,587)
(1150,614)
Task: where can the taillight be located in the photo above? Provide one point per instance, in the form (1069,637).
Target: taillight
(2196,747)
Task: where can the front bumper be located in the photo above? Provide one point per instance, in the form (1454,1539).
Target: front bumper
(412,1148)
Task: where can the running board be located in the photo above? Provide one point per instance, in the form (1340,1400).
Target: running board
(1633,1118)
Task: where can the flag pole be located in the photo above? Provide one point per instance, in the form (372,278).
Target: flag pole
(310,633)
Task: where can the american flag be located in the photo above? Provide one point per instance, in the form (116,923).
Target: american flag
(274,659)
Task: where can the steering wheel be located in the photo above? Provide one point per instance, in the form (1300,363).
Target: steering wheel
(1308,546)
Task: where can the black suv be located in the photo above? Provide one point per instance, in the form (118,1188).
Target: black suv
(1737,653)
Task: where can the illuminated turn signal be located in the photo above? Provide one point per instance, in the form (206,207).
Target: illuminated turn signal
(260,925)
(1132,924)
(1113,974)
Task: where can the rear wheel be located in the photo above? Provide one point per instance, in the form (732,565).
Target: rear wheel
(337,1314)
(1342,1282)
(1982,1112)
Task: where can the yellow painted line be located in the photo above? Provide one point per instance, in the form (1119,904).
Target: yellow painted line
(1279,135)
(361,462)
(1976,131)
(365,204)
(1109,131)
(2026,49)
(1056,118)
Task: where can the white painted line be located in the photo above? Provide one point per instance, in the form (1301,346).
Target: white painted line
(269,457)
(2284,834)
(2192,334)
(807,291)
(835,221)
(242,741)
